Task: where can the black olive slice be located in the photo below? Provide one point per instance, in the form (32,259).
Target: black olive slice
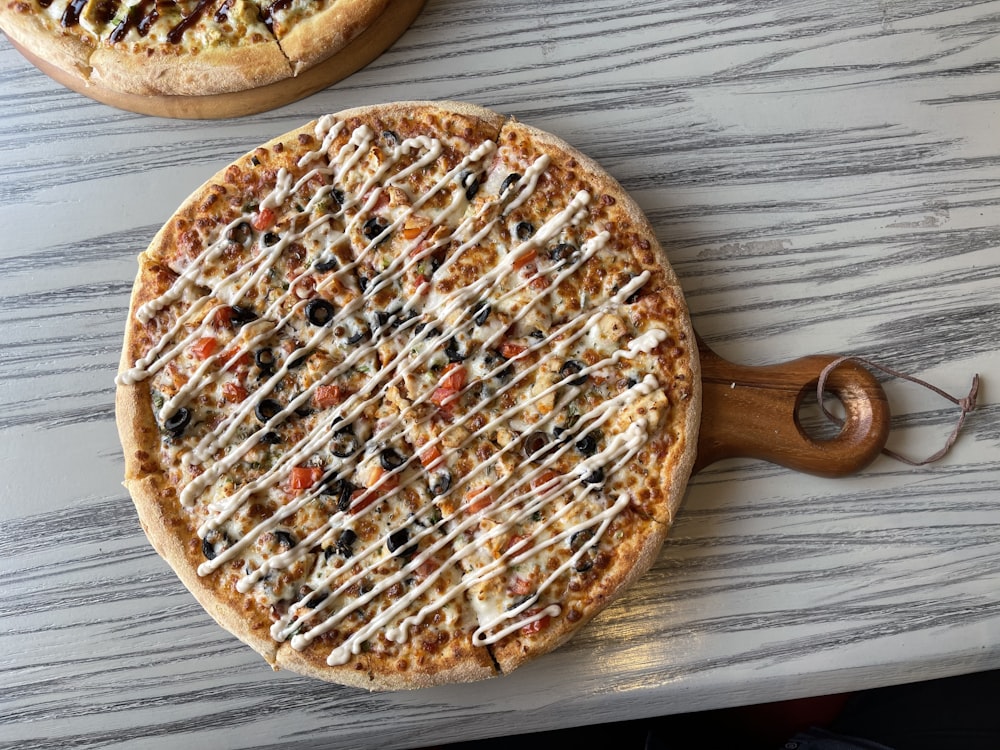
(468,180)
(177,421)
(562,251)
(397,539)
(391,136)
(537,334)
(391,459)
(357,336)
(440,482)
(519,601)
(363,283)
(208,549)
(266,409)
(572,367)
(373,228)
(452,351)
(633,298)
(330,485)
(480,312)
(344,501)
(534,443)
(297,358)
(271,239)
(579,539)
(345,443)
(327,264)
(338,196)
(270,438)
(506,374)
(319,312)
(524,230)
(285,539)
(243,315)
(381,320)
(345,542)
(512,179)
(240,234)
(264,359)
(396,316)
(595,477)
(587,445)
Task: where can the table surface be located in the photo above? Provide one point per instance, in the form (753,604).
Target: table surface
(824,175)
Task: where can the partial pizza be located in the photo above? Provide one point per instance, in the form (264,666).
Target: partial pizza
(124,50)
(408,395)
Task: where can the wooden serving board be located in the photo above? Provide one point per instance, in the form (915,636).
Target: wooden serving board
(363,49)
(753,412)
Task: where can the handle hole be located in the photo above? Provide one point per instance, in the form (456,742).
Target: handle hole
(811,419)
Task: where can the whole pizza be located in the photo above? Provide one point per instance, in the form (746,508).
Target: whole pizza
(408,395)
(192,48)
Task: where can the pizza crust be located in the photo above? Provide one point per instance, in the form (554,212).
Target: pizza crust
(450,654)
(314,39)
(67,52)
(210,71)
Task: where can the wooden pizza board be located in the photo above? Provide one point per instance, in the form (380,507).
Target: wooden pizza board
(753,412)
(367,46)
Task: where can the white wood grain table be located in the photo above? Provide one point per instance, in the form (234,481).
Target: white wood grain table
(825,175)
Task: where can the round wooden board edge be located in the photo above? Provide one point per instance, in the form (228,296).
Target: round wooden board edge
(361,51)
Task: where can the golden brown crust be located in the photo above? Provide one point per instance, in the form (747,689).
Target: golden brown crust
(210,71)
(43,37)
(445,643)
(313,39)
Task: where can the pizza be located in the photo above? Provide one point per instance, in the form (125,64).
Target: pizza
(185,47)
(407,395)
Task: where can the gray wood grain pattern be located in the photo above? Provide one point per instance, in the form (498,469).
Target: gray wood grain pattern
(825,176)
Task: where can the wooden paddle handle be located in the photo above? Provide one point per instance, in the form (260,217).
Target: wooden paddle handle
(753,412)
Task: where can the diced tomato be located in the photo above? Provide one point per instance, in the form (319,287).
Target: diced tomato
(327,396)
(304,477)
(509,350)
(525,258)
(233,392)
(421,284)
(361,499)
(376,474)
(454,376)
(205,347)
(412,227)
(430,456)
(451,383)
(233,355)
(536,626)
(516,540)
(444,398)
(427,567)
(543,479)
(480,499)
(520,587)
(223,317)
(264,219)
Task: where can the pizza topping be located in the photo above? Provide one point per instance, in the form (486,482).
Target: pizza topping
(266,410)
(319,312)
(176,422)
